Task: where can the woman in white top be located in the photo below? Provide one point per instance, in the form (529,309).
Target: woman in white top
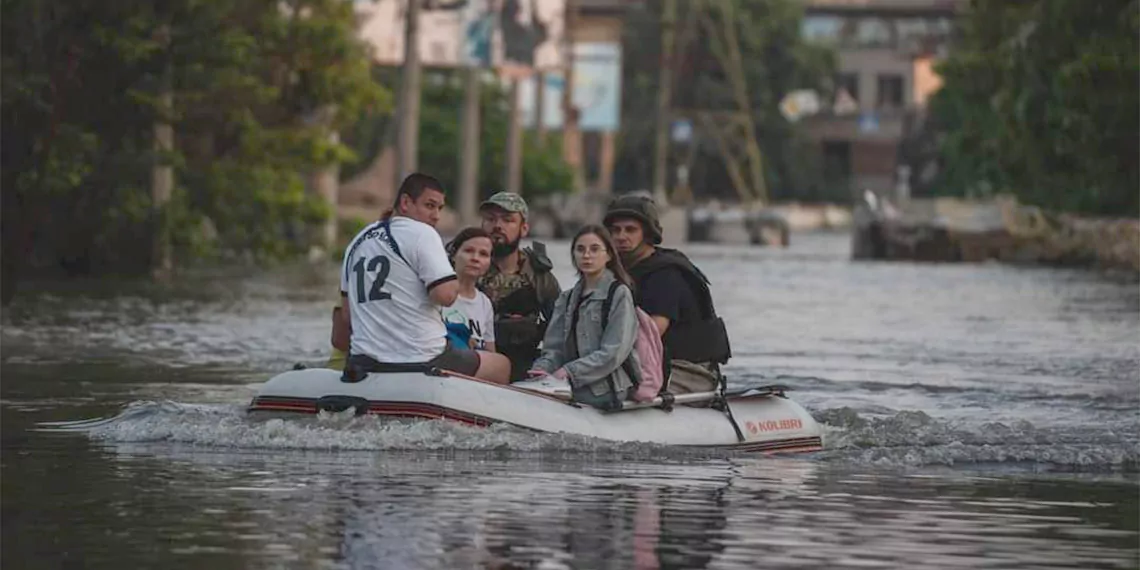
(471,319)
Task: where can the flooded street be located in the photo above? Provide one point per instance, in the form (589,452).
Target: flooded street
(975,416)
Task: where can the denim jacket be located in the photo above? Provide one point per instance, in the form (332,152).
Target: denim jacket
(600,352)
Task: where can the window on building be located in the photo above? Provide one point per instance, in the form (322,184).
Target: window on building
(890,91)
(849,31)
(848,82)
(941,26)
(837,168)
(821,28)
(912,33)
(875,33)
(923,34)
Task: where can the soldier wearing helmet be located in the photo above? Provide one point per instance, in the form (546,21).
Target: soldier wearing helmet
(672,291)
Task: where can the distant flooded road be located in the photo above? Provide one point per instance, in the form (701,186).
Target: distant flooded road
(975,416)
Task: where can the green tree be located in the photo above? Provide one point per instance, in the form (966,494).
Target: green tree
(543,169)
(776,60)
(1040,100)
(257,84)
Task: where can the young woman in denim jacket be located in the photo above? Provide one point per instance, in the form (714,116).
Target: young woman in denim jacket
(576,347)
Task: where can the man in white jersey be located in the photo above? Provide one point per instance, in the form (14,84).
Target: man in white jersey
(395,277)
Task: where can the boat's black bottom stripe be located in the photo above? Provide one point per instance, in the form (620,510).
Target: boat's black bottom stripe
(800,444)
(432,411)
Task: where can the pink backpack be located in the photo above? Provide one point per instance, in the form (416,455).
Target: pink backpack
(650,352)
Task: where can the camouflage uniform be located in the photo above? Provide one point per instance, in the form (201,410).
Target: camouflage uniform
(528,295)
(497,285)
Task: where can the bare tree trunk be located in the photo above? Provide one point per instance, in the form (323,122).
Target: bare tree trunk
(539,107)
(326,185)
(606,170)
(664,101)
(469,147)
(162,173)
(571,137)
(514,141)
(409,108)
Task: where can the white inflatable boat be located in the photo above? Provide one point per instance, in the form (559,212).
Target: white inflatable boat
(759,418)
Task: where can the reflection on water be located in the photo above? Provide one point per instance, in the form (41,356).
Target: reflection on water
(975,416)
(411,510)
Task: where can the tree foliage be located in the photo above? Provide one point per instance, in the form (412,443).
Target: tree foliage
(543,169)
(776,60)
(1041,100)
(257,87)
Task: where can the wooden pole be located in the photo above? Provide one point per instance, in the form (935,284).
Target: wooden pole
(469,147)
(539,107)
(162,172)
(409,107)
(664,101)
(514,142)
(327,186)
(606,170)
(571,139)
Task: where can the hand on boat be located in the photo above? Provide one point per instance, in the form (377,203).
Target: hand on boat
(559,374)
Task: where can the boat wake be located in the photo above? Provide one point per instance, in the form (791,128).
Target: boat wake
(905,439)
(914,438)
(229,426)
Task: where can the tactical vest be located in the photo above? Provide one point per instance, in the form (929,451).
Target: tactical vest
(704,340)
(517,338)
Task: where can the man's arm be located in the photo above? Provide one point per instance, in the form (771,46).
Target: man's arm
(661,297)
(341,326)
(444,291)
(429,260)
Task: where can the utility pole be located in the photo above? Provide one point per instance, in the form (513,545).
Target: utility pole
(571,142)
(162,173)
(469,146)
(324,182)
(539,107)
(409,107)
(664,101)
(514,141)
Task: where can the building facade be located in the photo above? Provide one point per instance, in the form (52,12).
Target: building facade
(886,52)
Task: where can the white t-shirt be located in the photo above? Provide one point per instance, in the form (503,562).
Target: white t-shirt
(476,314)
(393,319)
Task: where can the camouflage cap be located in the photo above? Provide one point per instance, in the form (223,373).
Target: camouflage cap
(508,201)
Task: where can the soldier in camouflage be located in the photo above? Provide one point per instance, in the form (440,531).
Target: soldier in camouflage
(519,283)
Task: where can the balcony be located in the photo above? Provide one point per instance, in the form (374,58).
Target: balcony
(911,35)
(872,125)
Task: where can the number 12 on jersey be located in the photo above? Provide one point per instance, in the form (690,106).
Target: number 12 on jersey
(381,266)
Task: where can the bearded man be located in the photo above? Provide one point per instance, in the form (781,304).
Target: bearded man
(520,285)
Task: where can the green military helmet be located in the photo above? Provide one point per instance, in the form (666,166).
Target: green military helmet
(640,208)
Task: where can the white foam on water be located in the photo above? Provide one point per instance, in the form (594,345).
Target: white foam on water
(229,426)
(903,440)
(914,438)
